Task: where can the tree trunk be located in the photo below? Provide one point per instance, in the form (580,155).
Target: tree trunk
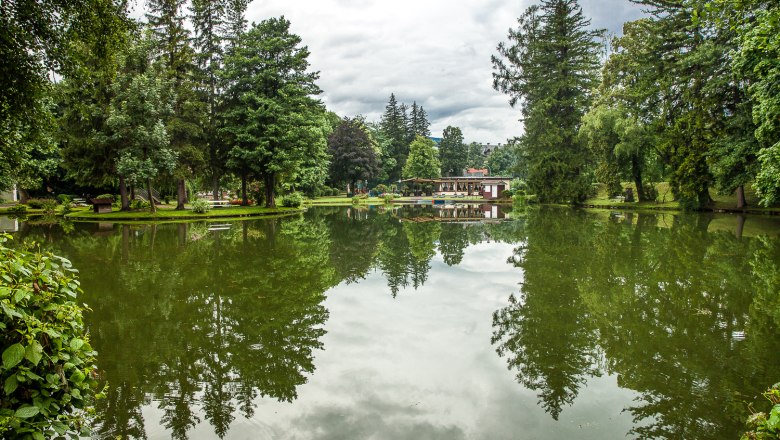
(740,226)
(125,243)
(741,203)
(24,195)
(215,186)
(181,194)
(123,194)
(152,206)
(269,179)
(182,230)
(244,198)
(636,171)
(132,192)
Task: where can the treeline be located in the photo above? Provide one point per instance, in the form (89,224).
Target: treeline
(687,95)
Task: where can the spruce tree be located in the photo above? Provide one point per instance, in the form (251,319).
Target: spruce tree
(172,41)
(393,125)
(548,68)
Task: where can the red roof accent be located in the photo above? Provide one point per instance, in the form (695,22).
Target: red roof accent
(477,170)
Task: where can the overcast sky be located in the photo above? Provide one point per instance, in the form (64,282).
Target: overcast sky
(435,52)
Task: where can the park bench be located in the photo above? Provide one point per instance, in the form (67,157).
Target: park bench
(219,203)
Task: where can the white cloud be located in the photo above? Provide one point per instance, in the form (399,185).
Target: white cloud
(435,52)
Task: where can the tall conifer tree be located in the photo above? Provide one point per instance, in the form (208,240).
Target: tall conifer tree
(548,68)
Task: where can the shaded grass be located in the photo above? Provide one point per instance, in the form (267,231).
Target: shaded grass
(166,213)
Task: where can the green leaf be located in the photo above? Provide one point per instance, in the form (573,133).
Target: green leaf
(77,376)
(59,427)
(27,412)
(76,343)
(12,356)
(774,418)
(34,352)
(9,311)
(38,436)
(10,384)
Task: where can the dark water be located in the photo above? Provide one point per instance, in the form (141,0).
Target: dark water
(354,324)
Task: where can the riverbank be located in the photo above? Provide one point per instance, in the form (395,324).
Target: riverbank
(169,214)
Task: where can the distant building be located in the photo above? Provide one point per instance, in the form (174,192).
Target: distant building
(10,196)
(436,140)
(489,148)
(476,172)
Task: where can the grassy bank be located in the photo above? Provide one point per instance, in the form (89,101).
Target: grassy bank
(168,213)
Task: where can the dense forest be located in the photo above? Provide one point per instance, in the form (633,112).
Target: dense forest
(193,98)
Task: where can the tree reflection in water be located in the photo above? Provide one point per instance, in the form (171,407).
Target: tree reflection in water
(203,323)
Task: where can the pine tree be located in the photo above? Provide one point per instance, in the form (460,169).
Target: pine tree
(549,69)
(394,126)
(166,21)
(208,20)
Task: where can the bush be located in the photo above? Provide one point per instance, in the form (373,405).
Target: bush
(651,192)
(67,208)
(200,206)
(138,204)
(763,426)
(49,206)
(355,200)
(39,203)
(48,366)
(292,200)
(106,196)
(18,210)
(382,189)
(507,194)
(64,198)
(388,198)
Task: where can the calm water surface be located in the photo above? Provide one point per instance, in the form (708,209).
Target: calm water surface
(356,324)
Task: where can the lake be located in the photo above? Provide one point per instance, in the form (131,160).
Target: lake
(421,323)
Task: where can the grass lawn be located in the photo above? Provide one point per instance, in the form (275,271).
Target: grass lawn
(166,212)
(347,201)
(665,200)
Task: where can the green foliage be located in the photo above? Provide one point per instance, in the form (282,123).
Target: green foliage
(200,206)
(356,200)
(64,198)
(353,155)
(763,426)
(292,200)
(272,121)
(107,197)
(549,67)
(423,160)
(388,198)
(47,361)
(502,161)
(18,210)
(139,204)
(38,203)
(453,152)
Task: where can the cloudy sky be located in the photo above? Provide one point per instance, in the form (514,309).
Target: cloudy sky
(435,52)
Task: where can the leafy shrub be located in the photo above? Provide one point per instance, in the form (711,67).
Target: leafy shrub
(48,370)
(388,198)
(106,196)
(292,200)
(763,426)
(64,198)
(524,199)
(200,206)
(382,189)
(49,206)
(139,204)
(67,208)
(39,203)
(18,209)
(651,192)
(355,200)
(335,192)
(507,194)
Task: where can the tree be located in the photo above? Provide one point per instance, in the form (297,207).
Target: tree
(475,158)
(272,122)
(353,156)
(36,40)
(757,59)
(501,161)
(395,129)
(208,20)
(142,102)
(452,152)
(423,160)
(418,123)
(548,68)
(187,116)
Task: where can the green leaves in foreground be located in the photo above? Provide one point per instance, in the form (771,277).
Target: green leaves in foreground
(47,361)
(762,426)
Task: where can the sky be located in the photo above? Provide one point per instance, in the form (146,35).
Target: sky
(434,52)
